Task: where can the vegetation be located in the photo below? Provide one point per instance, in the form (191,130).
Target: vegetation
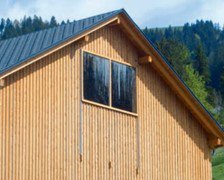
(218,165)
(196,52)
(9,28)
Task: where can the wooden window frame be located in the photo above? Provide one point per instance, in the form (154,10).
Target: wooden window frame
(110,107)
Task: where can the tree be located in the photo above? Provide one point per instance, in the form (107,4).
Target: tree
(216,67)
(201,63)
(222,83)
(2,26)
(9,30)
(220,117)
(155,35)
(197,85)
(202,42)
(27,25)
(63,23)
(169,33)
(176,53)
(16,25)
(53,22)
(38,23)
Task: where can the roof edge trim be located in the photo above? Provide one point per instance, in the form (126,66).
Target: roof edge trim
(58,46)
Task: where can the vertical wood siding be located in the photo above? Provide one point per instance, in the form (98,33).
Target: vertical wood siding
(39,123)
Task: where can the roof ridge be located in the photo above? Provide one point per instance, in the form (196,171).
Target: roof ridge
(110,12)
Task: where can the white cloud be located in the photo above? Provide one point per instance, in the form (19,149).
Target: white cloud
(145,12)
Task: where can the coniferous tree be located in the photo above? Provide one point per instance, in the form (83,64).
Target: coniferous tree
(222,83)
(201,63)
(38,24)
(53,22)
(16,25)
(155,35)
(9,30)
(2,26)
(176,53)
(63,22)
(27,25)
(168,33)
(197,84)
(217,67)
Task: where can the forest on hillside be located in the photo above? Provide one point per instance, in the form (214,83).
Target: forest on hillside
(196,52)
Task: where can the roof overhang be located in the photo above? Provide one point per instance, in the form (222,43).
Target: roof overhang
(155,59)
(57,47)
(148,54)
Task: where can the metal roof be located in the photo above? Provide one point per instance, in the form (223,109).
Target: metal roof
(17,50)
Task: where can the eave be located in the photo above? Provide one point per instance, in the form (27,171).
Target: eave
(161,65)
(34,58)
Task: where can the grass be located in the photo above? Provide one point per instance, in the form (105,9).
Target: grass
(218,165)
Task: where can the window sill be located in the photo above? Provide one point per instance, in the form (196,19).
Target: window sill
(108,107)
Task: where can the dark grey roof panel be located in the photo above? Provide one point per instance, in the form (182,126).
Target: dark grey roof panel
(4,47)
(1,42)
(28,47)
(77,27)
(86,23)
(37,46)
(18,50)
(49,38)
(9,51)
(68,30)
(58,34)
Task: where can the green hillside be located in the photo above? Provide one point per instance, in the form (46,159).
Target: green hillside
(218,165)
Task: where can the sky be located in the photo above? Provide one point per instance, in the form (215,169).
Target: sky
(150,13)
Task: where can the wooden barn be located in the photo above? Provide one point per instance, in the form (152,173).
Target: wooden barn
(94,99)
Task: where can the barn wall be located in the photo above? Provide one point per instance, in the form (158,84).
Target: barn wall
(40,124)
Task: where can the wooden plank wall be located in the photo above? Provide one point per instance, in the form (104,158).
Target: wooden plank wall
(39,123)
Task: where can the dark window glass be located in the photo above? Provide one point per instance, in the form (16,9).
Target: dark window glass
(96,78)
(123,87)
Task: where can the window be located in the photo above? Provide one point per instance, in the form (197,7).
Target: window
(123,87)
(109,83)
(96,79)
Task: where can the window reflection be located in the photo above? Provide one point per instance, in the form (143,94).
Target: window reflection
(96,78)
(123,87)
(97,82)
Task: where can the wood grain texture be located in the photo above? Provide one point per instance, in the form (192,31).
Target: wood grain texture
(40,125)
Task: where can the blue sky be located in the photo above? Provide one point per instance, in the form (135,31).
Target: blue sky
(151,13)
